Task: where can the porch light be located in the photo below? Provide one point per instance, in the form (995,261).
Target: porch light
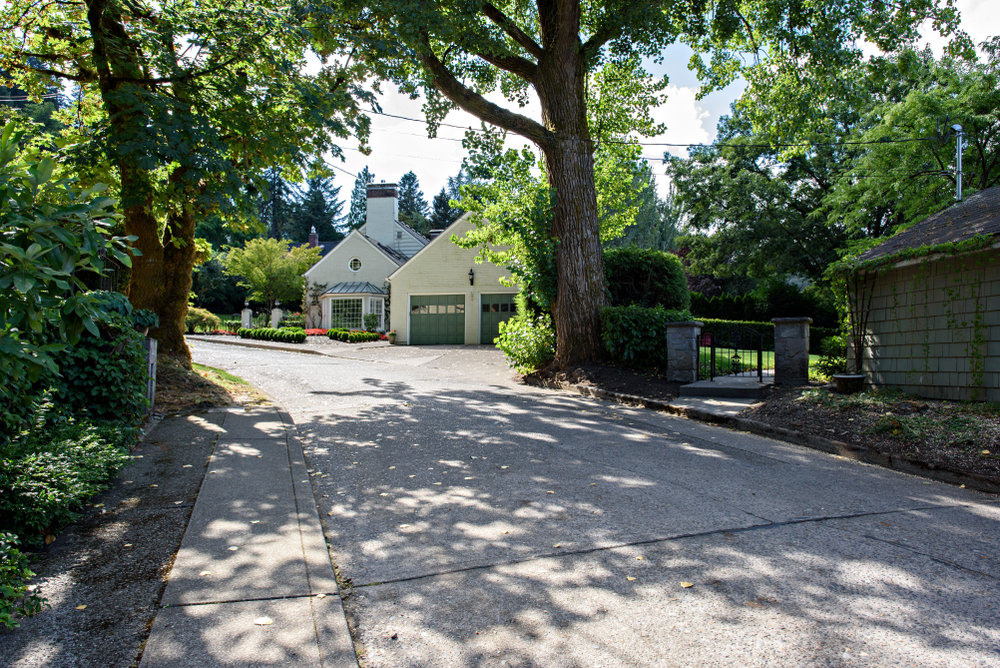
(472,277)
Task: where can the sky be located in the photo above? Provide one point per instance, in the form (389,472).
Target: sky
(399,146)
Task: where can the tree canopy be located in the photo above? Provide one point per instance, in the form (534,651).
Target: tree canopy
(269,270)
(580,61)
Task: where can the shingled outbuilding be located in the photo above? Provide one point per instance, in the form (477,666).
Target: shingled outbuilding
(934,325)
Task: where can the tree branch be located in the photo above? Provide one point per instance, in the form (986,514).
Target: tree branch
(522,67)
(475,104)
(512,30)
(82,77)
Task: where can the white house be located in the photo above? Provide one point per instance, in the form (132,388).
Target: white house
(439,293)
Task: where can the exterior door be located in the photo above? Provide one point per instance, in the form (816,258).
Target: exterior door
(495,309)
(437,319)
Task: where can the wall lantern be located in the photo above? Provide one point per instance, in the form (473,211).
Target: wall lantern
(472,277)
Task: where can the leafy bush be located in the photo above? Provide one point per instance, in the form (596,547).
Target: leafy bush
(338,334)
(528,342)
(231,325)
(199,318)
(727,330)
(104,376)
(363,337)
(772,299)
(46,477)
(144,318)
(293,320)
(371,322)
(287,335)
(646,277)
(833,356)
(636,335)
(15,599)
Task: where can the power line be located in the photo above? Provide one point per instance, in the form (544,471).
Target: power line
(676,145)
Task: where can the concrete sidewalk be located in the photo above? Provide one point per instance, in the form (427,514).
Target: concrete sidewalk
(252,584)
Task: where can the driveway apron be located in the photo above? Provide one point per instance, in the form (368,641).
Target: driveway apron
(477,522)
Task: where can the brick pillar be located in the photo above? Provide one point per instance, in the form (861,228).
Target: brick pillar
(791,351)
(682,351)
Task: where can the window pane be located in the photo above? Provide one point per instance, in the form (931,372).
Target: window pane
(451,308)
(423,310)
(495,308)
(486,307)
(459,308)
(434,309)
(414,309)
(504,308)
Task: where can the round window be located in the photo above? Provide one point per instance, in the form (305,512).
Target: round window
(355,264)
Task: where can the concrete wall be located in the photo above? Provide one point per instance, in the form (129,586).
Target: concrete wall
(932,323)
(442,268)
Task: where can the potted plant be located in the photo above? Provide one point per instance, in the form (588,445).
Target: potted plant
(391,336)
(143,319)
(859,288)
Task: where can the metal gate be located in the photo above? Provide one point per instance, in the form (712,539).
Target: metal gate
(736,350)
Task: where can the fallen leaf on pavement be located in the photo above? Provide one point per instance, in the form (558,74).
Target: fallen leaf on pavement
(263,621)
(81,607)
(203,573)
(687,585)
(629,578)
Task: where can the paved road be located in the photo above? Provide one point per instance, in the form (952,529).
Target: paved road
(484,523)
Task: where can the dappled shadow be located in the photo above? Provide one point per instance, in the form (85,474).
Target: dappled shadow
(486,527)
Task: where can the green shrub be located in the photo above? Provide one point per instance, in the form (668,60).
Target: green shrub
(293,320)
(362,337)
(371,322)
(287,335)
(15,599)
(646,277)
(104,376)
(528,342)
(338,334)
(46,477)
(637,336)
(833,356)
(200,319)
(144,318)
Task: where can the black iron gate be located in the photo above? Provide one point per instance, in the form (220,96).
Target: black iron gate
(736,350)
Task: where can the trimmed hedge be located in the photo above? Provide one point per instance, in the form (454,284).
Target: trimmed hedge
(288,335)
(350,336)
(636,336)
(200,319)
(646,277)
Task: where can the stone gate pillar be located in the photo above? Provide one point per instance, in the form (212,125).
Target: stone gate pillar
(246,318)
(682,351)
(275,317)
(791,351)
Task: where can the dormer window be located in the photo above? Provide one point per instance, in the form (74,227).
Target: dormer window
(355,264)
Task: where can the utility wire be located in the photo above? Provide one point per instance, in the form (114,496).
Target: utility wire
(676,145)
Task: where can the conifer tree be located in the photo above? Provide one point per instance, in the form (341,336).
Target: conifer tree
(359,199)
(413,208)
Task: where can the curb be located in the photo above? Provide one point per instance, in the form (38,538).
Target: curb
(232,341)
(839,448)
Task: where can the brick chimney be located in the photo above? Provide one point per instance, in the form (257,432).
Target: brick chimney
(313,238)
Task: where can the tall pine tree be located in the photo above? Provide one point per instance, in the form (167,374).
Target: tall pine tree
(359,199)
(276,209)
(413,208)
(321,208)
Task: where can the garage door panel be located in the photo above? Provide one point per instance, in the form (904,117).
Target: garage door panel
(437,319)
(494,309)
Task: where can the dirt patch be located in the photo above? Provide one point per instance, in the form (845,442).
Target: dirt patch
(181,390)
(958,437)
(616,379)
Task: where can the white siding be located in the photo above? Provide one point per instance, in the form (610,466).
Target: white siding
(442,268)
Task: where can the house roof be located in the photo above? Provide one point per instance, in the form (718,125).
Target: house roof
(416,235)
(979,214)
(446,235)
(355,288)
(325,246)
(393,255)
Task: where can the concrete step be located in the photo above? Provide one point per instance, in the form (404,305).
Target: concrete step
(729,387)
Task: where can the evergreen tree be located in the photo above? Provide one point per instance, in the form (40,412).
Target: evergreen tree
(443,214)
(656,220)
(321,208)
(277,208)
(413,208)
(359,199)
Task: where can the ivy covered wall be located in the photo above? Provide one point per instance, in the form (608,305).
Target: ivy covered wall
(934,328)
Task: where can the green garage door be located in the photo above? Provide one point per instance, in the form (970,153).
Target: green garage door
(495,309)
(437,319)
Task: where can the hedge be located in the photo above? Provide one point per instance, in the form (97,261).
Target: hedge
(645,277)
(288,335)
(722,329)
(636,335)
(349,336)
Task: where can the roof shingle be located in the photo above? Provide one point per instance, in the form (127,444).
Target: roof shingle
(979,214)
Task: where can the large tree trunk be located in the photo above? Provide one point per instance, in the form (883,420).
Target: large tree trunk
(569,161)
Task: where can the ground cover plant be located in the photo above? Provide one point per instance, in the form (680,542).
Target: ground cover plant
(955,436)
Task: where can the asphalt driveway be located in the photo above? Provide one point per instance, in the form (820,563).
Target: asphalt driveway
(485,523)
